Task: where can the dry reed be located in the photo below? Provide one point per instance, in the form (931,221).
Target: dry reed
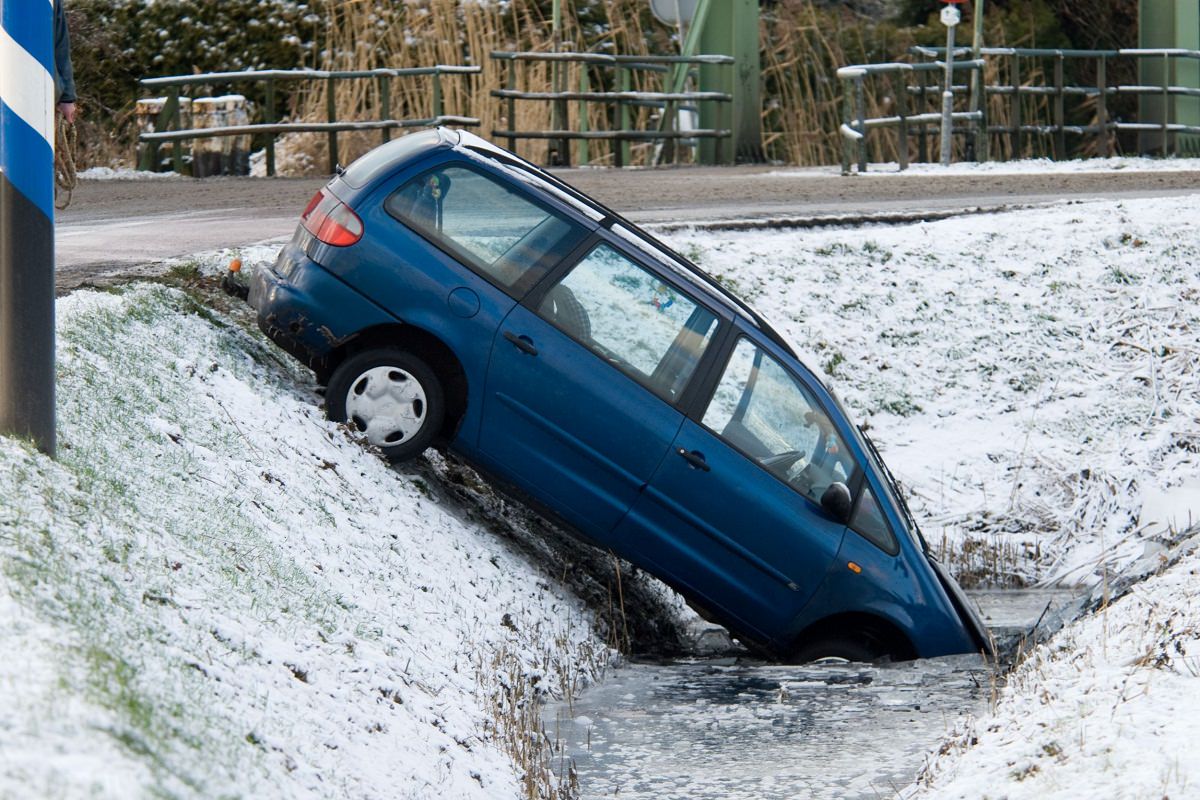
(804,42)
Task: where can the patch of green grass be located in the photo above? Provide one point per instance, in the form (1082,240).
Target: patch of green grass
(902,405)
(831,364)
(1116,274)
(185,272)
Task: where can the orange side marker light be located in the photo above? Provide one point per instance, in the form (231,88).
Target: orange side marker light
(855,568)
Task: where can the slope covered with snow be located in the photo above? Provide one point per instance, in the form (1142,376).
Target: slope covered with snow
(215,592)
(1109,708)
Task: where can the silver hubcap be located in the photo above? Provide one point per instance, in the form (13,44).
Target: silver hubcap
(387,404)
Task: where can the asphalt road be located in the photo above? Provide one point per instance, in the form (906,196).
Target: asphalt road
(118,227)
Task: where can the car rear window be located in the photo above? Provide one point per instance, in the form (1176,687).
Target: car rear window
(487,225)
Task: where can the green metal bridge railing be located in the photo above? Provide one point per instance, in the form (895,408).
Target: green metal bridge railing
(856,124)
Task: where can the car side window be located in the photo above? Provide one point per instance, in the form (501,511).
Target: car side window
(631,318)
(485,224)
(763,410)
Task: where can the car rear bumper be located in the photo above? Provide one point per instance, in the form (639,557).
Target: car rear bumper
(306,310)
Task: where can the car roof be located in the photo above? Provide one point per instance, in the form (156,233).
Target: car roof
(473,145)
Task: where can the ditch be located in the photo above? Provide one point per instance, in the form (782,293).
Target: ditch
(716,723)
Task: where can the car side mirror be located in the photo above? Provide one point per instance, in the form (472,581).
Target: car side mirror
(836,500)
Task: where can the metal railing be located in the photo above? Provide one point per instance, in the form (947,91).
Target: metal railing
(168,127)
(856,124)
(620,102)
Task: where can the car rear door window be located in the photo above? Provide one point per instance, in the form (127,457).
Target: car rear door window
(633,319)
(488,226)
(763,410)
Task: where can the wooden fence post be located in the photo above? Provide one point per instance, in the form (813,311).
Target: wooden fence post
(512,104)
(385,105)
(860,107)
(331,116)
(923,129)
(177,122)
(1060,110)
(624,154)
(1016,107)
(269,118)
(1166,102)
(1102,107)
(585,155)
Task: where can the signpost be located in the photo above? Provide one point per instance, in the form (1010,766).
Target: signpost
(950,18)
(978,94)
(27,95)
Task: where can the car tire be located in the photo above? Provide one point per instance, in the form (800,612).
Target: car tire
(392,397)
(838,649)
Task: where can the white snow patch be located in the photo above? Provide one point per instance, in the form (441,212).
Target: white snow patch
(125,174)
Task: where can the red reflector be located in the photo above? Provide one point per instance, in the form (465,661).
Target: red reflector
(331,220)
(316,198)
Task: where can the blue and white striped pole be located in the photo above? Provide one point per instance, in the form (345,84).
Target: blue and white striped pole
(27,100)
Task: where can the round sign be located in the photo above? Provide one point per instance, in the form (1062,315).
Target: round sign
(951,16)
(674,12)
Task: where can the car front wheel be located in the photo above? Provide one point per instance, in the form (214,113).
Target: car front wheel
(392,397)
(837,650)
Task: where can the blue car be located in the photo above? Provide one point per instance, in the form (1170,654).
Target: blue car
(451,294)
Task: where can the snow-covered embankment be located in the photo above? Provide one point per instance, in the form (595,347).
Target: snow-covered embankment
(214,592)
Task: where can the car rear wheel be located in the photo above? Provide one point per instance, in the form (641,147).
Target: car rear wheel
(392,397)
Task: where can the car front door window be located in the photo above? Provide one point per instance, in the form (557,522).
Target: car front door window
(632,318)
(763,410)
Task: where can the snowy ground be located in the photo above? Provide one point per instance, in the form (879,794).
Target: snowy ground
(213,591)
(1109,707)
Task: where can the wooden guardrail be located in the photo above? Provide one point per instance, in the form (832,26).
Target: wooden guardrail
(168,127)
(619,100)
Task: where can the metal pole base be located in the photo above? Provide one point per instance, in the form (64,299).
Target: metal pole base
(26,319)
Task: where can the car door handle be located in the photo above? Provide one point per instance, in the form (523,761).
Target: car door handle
(695,459)
(522,343)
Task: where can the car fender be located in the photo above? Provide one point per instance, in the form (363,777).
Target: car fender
(903,591)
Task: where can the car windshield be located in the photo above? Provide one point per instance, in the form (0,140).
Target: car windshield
(893,489)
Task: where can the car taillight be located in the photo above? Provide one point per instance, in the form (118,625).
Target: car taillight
(331,220)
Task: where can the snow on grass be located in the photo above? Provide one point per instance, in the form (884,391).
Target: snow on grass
(1029,375)
(215,592)
(1108,708)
